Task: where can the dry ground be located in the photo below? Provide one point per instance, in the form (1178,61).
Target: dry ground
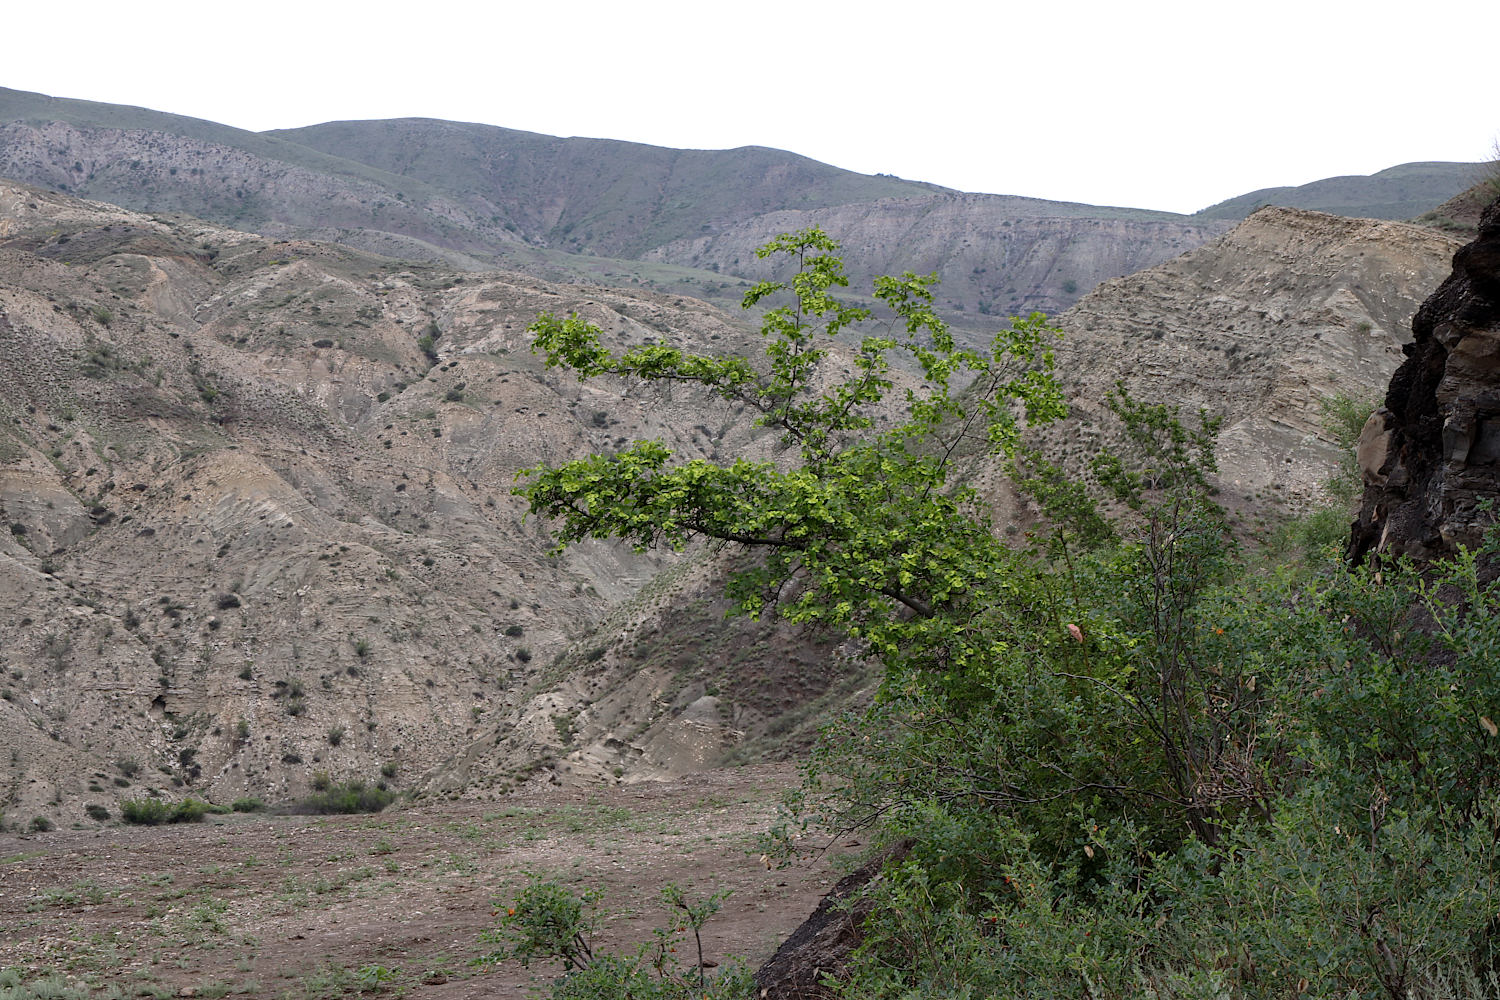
(312,907)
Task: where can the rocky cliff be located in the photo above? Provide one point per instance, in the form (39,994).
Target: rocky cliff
(1431,456)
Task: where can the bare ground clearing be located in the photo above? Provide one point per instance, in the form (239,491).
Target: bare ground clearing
(308,907)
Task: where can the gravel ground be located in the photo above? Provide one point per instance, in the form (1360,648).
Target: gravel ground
(309,907)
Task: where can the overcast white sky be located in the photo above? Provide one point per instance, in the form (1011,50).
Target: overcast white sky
(1149,104)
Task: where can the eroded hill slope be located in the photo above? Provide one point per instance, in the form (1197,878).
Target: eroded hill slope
(256,500)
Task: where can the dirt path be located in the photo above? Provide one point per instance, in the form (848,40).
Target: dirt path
(312,907)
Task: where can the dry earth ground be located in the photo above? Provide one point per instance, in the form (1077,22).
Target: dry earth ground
(310,907)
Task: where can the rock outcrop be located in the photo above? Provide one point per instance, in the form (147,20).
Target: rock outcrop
(1431,456)
(821,945)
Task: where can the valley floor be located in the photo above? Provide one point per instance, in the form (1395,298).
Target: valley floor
(312,907)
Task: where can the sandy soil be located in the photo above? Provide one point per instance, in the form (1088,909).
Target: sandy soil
(311,907)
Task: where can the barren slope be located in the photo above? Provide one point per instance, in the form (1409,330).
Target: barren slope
(253,532)
(1262,327)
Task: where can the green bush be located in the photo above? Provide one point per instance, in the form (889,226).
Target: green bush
(97,813)
(154,812)
(247,805)
(351,797)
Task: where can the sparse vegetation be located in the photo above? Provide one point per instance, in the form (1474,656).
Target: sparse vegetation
(551,922)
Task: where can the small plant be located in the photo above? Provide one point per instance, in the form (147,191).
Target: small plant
(40,824)
(247,805)
(96,812)
(335,735)
(550,921)
(321,782)
(388,769)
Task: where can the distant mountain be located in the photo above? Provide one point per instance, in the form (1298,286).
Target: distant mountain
(602,196)
(1401,192)
(591,210)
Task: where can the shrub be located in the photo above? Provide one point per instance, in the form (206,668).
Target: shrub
(335,735)
(248,805)
(97,813)
(352,797)
(40,824)
(154,812)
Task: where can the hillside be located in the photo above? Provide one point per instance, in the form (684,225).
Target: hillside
(589,210)
(1400,192)
(1264,327)
(600,196)
(259,526)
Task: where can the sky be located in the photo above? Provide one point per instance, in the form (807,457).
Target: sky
(1159,105)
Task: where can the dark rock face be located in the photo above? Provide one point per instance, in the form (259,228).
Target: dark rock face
(822,944)
(1431,456)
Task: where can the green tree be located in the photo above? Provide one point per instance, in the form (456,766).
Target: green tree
(1130,767)
(864,519)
